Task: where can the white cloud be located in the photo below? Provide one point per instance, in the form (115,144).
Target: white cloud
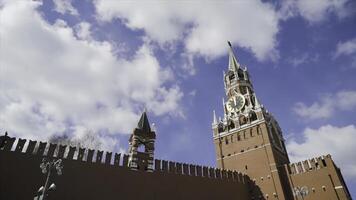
(203,26)
(327,105)
(314,10)
(83,31)
(346,48)
(57,79)
(65,6)
(296,61)
(328,139)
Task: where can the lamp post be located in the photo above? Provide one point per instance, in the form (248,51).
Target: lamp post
(301,191)
(47,166)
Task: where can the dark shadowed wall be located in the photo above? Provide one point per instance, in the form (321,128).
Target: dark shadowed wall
(21,177)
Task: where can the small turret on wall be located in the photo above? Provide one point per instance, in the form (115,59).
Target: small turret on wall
(142,136)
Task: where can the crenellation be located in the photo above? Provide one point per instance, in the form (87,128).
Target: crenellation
(13,148)
(185,169)
(165,165)
(212,172)
(217,173)
(51,150)
(99,156)
(125,160)
(20,145)
(171,167)
(70,155)
(31,147)
(41,148)
(192,170)
(205,171)
(229,175)
(309,165)
(81,154)
(90,155)
(158,165)
(8,144)
(179,168)
(224,174)
(61,151)
(108,157)
(199,170)
(117,159)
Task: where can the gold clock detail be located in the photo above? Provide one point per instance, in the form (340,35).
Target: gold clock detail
(235,103)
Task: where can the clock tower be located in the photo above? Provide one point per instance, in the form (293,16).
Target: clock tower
(248,138)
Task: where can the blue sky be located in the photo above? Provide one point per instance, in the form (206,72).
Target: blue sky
(73,67)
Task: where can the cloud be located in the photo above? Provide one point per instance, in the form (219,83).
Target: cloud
(315,11)
(82,31)
(64,7)
(346,48)
(203,26)
(304,58)
(327,105)
(56,79)
(328,139)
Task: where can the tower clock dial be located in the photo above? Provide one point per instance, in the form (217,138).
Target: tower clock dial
(235,103)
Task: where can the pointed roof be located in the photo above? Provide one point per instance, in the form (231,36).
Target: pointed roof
(233,64)
(143,124)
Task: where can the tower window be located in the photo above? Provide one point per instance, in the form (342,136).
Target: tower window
(253,116)
(226,141)
(231,125)
(240,74)
(232,76)
(141,148)
(243,89)
(246,167)
(242,120)
(238,138)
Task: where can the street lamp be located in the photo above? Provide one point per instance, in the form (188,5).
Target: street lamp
(47,166)
(301,191)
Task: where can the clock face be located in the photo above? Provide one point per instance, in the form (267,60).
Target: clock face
(235,103)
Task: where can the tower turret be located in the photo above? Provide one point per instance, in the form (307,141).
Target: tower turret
(142,136)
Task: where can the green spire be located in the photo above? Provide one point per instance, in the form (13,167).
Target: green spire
(143,124)
(233,64)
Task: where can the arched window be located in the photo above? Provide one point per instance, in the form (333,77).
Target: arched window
(252,116)
(240,74)
(231,76)
(231,125)
(242,120)
(141,148)
(220,127)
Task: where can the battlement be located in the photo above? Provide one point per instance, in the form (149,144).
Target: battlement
(310,164)
(91,156)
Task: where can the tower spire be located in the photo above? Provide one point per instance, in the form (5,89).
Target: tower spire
(233,64)
(143,124)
